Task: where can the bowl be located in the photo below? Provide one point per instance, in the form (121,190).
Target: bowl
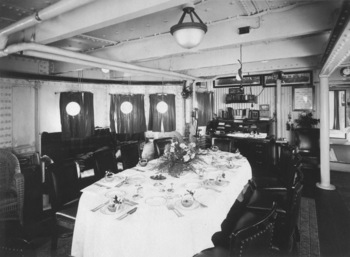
(143,162)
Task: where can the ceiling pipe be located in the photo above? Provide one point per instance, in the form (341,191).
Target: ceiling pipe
(42,15)
(57,54)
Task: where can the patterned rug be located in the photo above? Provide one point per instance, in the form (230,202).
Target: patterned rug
(309,243)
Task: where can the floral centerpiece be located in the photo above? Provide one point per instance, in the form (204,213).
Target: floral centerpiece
(178,157)
(305,120)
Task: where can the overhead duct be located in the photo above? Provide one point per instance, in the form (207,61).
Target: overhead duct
(53,53)
(45,14)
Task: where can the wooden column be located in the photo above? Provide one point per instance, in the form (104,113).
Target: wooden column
(324,135)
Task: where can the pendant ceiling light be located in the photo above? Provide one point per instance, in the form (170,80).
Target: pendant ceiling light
(189,34)
(73,108)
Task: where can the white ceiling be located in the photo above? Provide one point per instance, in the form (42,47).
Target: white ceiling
(284,35)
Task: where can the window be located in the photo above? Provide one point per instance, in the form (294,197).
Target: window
(156,118)
(81,124)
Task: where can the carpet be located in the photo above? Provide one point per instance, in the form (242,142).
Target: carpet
(309,243)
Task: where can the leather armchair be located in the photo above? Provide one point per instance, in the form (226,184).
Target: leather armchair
(104,160)
(288,207)
(130,154)
(251,236)
(11,187)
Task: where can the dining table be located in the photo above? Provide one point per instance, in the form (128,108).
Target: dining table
(154,218)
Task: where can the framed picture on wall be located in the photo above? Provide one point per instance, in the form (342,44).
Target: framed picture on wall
(290,78)
(303,98)
(250,80)
(254,114)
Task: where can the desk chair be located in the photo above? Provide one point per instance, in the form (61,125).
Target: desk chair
(64,198)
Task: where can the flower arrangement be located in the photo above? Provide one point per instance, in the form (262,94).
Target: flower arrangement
(115,203)
(305,120)
(178,158)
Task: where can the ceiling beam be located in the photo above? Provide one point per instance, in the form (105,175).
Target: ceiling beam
(292,64)
(299,21)
(93,16)
(297,47)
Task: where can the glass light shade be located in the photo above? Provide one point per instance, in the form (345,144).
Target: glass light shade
(162,107)
(189,37)
(73,108)
(105,70)
(126,107)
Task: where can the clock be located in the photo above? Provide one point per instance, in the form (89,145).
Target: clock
(345,72)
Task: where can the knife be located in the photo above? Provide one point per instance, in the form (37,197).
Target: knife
(99,206)
(126,214)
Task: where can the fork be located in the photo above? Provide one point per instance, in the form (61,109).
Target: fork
(172,208)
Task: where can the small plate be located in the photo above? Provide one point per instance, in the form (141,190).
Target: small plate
(115,178)
(155,200)
(115,192)
(105,210)
(194,206)
(209,182)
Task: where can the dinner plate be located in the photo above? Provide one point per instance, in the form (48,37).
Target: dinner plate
(106,211)
(155,200)
(194,206)
(115,192)
(115,178)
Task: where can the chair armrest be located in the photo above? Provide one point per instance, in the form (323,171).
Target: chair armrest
(19,187)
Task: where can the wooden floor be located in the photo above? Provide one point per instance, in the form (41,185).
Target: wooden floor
(333,212)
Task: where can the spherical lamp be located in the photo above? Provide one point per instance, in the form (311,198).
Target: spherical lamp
(126,107)
(73,108)
(162,107)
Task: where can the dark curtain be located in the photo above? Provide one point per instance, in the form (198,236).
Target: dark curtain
(205,107)
(81,125)
(131,123)
(156,118)
(336,124)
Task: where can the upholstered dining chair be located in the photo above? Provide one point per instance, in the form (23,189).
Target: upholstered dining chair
(251,236)
(64,198)
(284,173)
(288,207)
(104,160)
(11,187)
(159,145)
(224,144)
(130,154)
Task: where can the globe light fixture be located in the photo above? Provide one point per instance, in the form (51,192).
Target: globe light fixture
(73,108)
(162,107)
(189,34)
(126,107)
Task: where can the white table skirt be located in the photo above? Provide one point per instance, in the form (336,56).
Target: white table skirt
(154,230)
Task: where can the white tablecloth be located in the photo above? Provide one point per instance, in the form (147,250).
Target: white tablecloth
(154,230)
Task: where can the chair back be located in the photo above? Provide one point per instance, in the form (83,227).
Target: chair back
(159,145)
(104,160)
(9,166)
(224,144)
(307,140)
(63,184)
(255,239)
(130,154)
(288,165)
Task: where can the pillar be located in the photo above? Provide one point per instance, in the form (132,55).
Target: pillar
(279,107)
(324,135)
